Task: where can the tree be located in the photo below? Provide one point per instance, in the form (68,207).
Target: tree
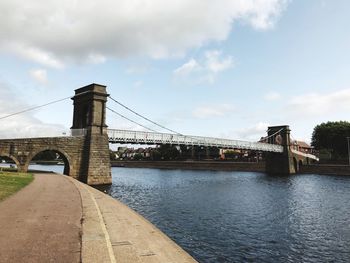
(112,156)
(155,155)
(231,154)
(138,157)
(169,152)
(331,136)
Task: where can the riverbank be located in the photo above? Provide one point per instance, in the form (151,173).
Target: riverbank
(61,219)
(326,169)
(112,232)
(194,165)
(322,169)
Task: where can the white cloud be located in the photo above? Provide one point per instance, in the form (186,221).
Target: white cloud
(259,129)
(316,104)
(187,68)
(212,111)
(138,69)
(54,32)
(262,15)
(252,133)
(96,59)
(37,55)
(23,125)
(272,96)
(206,69)
(214,63)
(39,75)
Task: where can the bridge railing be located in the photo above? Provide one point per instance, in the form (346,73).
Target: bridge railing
(141,137)
(307,155)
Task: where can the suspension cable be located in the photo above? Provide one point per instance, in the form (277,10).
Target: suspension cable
(33,108)
(143,117)
(268,137)
(120,115)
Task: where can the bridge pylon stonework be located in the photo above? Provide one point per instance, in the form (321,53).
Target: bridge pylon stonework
(290,160)
(86,153)
(89,115)
(279,163)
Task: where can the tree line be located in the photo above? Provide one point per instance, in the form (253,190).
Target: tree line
(330,139)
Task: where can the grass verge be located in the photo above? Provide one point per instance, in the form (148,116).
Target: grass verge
(12,182)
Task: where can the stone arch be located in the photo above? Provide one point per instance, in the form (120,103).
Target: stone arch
(68,164)
(295,163)
(12,158)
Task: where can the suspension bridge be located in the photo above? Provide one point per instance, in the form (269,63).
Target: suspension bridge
(156,138)
(86,151)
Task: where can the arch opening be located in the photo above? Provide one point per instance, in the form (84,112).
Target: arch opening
(8,162)
(50,160)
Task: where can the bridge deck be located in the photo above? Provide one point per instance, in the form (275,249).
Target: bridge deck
(140,137)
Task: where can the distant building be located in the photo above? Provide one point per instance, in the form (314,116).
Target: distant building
(302,146)
(230,153)
(129,153)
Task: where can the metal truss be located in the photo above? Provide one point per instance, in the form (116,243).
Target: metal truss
(141,137)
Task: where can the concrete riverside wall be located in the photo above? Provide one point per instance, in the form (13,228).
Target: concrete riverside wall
(325,169)
(194,165)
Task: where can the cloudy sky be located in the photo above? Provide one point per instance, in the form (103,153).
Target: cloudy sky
(226,68)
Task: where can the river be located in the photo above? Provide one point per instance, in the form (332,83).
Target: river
(242,216)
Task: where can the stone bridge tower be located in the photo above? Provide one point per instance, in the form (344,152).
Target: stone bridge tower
(280,163)
(86,153)
(89,117)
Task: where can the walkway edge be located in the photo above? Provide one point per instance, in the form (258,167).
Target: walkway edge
(110,227)
(103,227)
(94,243)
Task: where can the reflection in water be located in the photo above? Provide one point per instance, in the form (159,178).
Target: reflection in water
(243,216)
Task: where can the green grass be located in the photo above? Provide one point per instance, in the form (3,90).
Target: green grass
(12,182)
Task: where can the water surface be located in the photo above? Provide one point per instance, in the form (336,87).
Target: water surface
(243,216)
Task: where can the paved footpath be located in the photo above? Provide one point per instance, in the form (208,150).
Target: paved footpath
(58,219)
(41,223)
